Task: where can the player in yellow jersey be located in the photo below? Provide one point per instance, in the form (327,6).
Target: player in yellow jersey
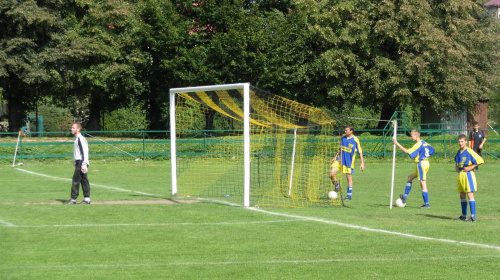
(421,153)
(466,160)
(344,160)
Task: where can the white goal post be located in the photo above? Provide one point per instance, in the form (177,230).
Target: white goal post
(246,125)
(251,146)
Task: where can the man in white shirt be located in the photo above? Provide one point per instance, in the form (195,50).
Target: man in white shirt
(81,163)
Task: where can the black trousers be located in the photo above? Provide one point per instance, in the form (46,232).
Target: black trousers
(80,178)
(479,152)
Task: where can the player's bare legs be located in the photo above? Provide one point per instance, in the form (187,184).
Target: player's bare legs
(349,179)
(423,185)
(471,196)
(411,177)
(333,172)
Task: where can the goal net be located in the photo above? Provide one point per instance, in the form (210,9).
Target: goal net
(239,143)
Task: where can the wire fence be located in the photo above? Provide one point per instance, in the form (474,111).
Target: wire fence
(155,145)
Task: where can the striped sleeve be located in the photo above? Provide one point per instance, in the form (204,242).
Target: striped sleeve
(475,158)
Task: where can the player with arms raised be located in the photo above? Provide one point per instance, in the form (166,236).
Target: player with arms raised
(420,152)
(349,146)
(466,160)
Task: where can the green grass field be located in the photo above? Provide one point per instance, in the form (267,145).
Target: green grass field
(118,238)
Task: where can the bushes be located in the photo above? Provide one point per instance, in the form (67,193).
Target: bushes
(54,119)
(125,119)
(57,119)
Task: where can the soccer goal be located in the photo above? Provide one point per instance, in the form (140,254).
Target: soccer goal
(246,145)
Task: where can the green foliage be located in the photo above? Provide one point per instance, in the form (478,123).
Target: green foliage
(494,110)
(133,119)
(28,34)
(168,50)
(96,57)
(422,53)
(360,118)
(55,119)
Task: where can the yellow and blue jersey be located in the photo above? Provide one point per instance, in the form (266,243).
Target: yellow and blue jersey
(349,147)
(421,151)
(466,181)
(467,157)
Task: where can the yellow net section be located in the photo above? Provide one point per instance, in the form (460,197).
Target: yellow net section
(292,145)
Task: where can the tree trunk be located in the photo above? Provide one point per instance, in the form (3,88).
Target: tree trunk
(209,119)
(16,109)
(210,114)
(94,123)
(386,114)
(154,114)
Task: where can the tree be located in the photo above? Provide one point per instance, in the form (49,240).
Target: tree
(27,29)
(80,52)
(99,58)
(264,46)
(258,43)
(383,55)
(165,41)
(494,110)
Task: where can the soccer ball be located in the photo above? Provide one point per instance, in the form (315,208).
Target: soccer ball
(332,195)
(399,203)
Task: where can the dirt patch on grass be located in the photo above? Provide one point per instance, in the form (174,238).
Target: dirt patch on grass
(153,201)
(163,201)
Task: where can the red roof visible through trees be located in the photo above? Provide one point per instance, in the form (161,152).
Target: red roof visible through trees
(493,3)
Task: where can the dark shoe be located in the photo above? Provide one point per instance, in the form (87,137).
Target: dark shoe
(71,201)
(84,202)
(424,207)
(461,218)
(470,220)
(346,198)
(337,187)
(402,198)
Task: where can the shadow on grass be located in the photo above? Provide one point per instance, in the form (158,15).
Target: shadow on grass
(436,217)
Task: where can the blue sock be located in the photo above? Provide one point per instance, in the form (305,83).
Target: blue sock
(425,196)
(463,202)
(407,190)
(349,192)
(472,209)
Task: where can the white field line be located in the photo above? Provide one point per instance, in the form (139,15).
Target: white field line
(256,262)
(304,218)
(7,223)
(93,185)
(375,230)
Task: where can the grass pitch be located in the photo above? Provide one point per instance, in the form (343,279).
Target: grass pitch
(116,237)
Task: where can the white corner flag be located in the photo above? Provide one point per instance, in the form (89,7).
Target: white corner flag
(395,125)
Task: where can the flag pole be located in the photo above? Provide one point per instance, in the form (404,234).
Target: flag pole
(17,145)
(394,136)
